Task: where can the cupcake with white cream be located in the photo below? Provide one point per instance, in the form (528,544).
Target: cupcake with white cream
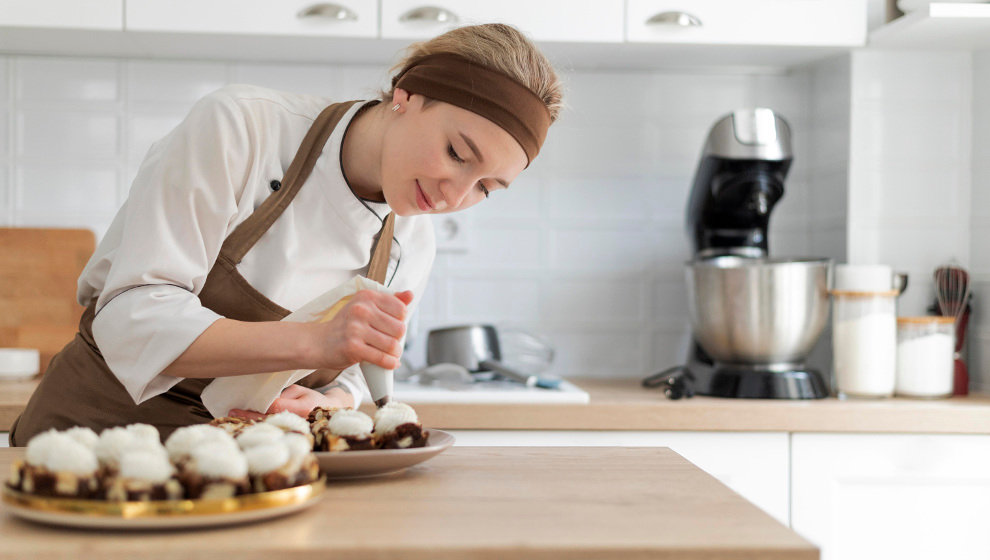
(214,471)
(144,475)
(56,464)
(397,427)
(114,442)
(347,430)
(281,463)
(180,444)
(259,434)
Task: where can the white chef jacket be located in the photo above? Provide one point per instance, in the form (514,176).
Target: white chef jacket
(193,188)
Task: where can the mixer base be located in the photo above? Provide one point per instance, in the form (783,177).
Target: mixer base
(756,383)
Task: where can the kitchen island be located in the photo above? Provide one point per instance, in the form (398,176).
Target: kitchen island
(472,502)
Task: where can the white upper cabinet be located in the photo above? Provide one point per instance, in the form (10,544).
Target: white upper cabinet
(340,18)
(940,25)
(583,21)
(66,14)
(748,22)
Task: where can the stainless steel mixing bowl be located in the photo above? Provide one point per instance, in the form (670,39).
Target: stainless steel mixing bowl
(758,311)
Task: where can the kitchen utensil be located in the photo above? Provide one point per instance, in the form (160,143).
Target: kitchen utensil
(864,342)
(952,294)
(759,319)
(476,347)
(925,348)
(524,351)
(868,278)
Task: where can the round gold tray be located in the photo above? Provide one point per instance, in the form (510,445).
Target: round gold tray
(162,514)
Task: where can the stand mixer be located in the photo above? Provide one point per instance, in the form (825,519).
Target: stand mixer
(754,319)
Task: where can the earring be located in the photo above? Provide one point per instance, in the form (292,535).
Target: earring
(395,107)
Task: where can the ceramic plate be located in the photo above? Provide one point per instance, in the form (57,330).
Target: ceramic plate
(359,464)
(175,514)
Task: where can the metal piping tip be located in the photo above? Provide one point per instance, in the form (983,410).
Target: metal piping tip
(383,401)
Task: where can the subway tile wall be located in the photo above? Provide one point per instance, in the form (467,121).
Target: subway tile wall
(588,246)
(919,185)
(979,337)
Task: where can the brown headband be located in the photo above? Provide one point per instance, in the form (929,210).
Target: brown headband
(496,96)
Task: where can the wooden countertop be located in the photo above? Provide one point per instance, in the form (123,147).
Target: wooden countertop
(621,404)
(473,502)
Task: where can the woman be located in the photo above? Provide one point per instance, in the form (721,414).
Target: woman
(260,201)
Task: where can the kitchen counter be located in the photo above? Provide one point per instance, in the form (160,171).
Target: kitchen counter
(621,404)
(473,502)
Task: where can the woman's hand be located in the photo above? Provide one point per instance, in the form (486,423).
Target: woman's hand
(368,329)
(300,401)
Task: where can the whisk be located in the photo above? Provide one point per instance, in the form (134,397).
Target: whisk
(952,290)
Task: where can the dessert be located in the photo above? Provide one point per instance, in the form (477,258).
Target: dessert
(259,434)
(213,472)
(181,443)
(281,463)
(291,423)
(398,427)
(114,442)
(55,464)
(347,430)
(143,475)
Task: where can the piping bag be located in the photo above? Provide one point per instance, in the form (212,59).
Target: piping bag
(258,391)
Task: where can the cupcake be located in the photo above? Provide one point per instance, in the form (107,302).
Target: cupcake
(347,430)
(56,464)
(281,463)
(83,435)
(398,427)
(114,442)
(213,472)
(180,444)
(144,475)
(259,434)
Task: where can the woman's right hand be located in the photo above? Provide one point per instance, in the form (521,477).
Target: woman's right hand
(368,329)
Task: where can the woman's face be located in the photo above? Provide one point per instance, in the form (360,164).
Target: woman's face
(441,158)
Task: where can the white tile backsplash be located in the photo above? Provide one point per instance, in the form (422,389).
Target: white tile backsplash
(50,80)
(588,245)
(52,135)
(173,82)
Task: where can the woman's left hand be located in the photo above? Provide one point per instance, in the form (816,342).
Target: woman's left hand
(300,400)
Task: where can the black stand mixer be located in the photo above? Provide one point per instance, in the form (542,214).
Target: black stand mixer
(739,179)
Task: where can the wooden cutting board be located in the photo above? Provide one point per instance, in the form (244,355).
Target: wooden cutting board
(39,268)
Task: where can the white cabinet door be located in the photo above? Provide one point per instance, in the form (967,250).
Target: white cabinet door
(340,18)
(748,22)
(892,496)
(68,14)
(586,21)
(753,464)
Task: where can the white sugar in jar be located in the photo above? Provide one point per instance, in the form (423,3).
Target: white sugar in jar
(864,343)
(925,348)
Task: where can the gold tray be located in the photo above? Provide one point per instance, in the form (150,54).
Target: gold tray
(161,514)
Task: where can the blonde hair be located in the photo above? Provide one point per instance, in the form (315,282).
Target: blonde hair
(499,47)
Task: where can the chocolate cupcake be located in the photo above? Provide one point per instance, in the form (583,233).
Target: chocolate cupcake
(231,424)
(114,442)
(281,463)
(214,472)
(180,444)
(144,475)
(259,434)
(347,430)
(56,464)
(398,427)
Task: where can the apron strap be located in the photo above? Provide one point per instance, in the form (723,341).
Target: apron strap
(250,230)
(378,266)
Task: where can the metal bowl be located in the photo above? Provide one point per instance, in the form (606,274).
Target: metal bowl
(758,311)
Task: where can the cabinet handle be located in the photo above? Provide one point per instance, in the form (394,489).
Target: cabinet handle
(677,19)
(430,14)
(326,10)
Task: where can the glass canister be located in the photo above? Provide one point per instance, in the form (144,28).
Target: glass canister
(925,347)
(864,342)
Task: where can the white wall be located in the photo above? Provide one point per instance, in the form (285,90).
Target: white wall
(979,339)
(587,247)
(919,182)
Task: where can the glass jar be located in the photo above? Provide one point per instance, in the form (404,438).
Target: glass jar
(925,347)
(864,343)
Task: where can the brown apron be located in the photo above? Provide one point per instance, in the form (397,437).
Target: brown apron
(78,388)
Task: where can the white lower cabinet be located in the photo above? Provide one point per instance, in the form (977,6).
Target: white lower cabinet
(904,496)
(753,464)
